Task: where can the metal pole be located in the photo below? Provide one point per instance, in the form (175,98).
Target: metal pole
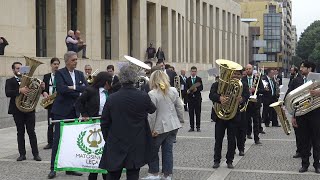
(70,120)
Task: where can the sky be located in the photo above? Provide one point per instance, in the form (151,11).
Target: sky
(304,12)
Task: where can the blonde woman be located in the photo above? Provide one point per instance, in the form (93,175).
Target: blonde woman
(164,123)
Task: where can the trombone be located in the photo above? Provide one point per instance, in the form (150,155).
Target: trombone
(90,77)
(254,97)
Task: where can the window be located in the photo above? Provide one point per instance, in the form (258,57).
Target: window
(272,9)
(41,32)
(73,10)
(107,23)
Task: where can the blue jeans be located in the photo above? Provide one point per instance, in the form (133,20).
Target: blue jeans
(164,140)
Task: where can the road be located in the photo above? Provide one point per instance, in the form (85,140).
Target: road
(193,155)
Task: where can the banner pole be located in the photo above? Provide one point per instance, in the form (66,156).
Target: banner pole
(70,120)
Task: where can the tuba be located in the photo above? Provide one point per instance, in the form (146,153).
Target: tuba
(28,102)
(45,103)
(231,88)
(142,79)
(300,102)
(282,116)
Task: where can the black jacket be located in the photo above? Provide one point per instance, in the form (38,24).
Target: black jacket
(3,45)
(88,104)
(196,95)
(115,85)
(46,80)
(171,75)
(267,95)
(126,130)
(295,82)
(66,98)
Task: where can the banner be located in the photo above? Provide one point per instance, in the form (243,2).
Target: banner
(80,147)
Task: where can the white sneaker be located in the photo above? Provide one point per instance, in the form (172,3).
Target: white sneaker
(152,177)
(167,178)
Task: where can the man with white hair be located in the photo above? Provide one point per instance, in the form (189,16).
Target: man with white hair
(73,44)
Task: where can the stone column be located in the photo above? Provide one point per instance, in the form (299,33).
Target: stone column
(199,24)
(187,31)
(56,28)
(193,31)
(164,32)
(205,33)
(158,26)
(89,23)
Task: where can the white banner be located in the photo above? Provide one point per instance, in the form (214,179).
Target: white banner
(80,147)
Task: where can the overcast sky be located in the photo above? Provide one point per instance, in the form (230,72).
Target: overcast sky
(304,13)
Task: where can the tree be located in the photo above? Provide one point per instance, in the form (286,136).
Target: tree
(296,61)
(315,56)
(308,40)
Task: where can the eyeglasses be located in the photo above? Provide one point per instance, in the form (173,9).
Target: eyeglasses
(88,69)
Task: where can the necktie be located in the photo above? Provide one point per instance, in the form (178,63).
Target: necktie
(271,84)
(250,82)
(193,80)
(304,80)
(54,86)
(106,93)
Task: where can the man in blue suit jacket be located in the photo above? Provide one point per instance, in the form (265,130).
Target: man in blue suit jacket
(69,84)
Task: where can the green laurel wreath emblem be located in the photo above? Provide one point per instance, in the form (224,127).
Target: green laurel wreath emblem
(81,145)
(98,151)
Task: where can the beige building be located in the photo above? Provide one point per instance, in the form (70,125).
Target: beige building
(294,40)
(189,31)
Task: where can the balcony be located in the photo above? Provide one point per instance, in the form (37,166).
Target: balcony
(259,57)
(259,43)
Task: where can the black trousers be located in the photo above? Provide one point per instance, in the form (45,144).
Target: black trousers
(220,128)
(50,128)
(94,176)
(26,121)
(252,116)
(56,135)
(194,108)
(298,139)
(241,131)
(309,133)
(185,100)
(132,174)
(269,114)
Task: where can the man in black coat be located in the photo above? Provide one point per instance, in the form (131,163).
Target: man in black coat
(50,88)
(23,120)
(269,96)
(69,83)
(115,79)
(125,128)
(183,82)
(194,88)
(170,73)
(231,125)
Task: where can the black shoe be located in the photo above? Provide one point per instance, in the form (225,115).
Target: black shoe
(249,136)
(84,57)
(317,170)
(48,146)
(73,173)
(230,166)
(262,132)
(216,165)
(257,142)
(37,158)
(297,155)
(241,153)
(276,126)
(198,130)
(267,125)
(303,169)
(21,158)
(52,174)
(191,130)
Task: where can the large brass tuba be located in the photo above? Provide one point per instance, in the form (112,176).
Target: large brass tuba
(28,102)
(231,88)
(143,79)
(282,116)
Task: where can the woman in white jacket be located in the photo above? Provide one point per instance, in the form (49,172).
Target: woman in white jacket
(164,123)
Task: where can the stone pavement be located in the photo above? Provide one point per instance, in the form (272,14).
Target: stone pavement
(193,155)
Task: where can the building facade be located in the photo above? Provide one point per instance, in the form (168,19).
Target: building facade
(274,21)
(294,40)
(189,31)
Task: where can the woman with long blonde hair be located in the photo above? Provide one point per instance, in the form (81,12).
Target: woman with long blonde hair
(164,123)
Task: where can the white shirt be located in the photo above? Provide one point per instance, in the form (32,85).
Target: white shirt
(73,77)
(103,100)
(70,40)
(51,84)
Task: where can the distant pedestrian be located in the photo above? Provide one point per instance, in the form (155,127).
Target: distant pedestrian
(160,55)
(3,44)
(151,51)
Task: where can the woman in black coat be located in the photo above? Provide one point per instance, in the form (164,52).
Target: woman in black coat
(92,100)
(125,128)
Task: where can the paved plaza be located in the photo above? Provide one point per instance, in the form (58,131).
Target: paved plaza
(193,155)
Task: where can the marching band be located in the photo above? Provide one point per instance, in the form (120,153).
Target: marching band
(133,133)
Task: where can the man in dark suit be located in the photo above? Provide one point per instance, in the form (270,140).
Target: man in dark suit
(253,108)
(308,125)
(232,125)
(170,73)
(125,128)
(269,96)
(183,82)
(115,79)
(70,83)
(23,120)
(278,76)
(194,98)
(50,88)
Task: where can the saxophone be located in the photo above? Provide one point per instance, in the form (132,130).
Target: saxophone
(28,102)
(228,87)
(282,116)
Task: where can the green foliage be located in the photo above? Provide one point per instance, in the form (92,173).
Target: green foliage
(81,145)
(315,55)
(296,61)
